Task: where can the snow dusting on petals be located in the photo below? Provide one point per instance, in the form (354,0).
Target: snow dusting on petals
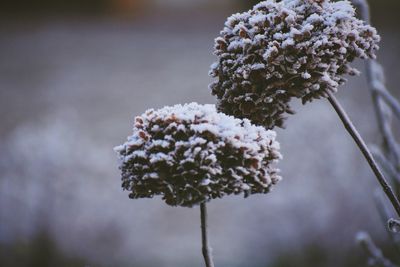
(284,49)
(191,154)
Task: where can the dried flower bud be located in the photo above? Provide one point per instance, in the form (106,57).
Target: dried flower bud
(190,154)
(299,48)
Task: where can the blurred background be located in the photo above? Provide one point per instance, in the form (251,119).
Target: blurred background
(73,74)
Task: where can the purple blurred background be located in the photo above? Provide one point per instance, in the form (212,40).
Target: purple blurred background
(73,74)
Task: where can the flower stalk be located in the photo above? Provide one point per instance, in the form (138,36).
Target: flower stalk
(190,154)
(206,249)
(365,151)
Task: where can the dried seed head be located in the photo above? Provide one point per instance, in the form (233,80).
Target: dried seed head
(190,154)
(284,49)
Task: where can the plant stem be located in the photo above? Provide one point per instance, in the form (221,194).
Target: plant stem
(204,237)
(364,149)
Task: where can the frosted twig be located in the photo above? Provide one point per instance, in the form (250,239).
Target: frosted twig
(385,213)
(390,100)
(376,257)
(378,85)
(385,105)
(383,112)
(380,97)
(386,165)
(364,149)
(376,82)
(204,237)
(382,206)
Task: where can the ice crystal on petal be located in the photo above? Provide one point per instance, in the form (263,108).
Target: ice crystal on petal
(284,49)
(191,153)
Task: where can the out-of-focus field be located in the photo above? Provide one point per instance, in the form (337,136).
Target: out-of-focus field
(70,87)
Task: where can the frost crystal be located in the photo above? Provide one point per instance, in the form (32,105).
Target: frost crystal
(284,49)
(394,225)
(190,154)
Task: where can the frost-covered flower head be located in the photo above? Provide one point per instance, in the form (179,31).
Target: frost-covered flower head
(191,153)
(284,49)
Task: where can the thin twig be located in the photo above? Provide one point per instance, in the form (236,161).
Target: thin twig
(364,149)
(383,113)
(383,208)
(204,237)
(376,83)
(385,105)
(376,257)
(385,213)
(386,165)
(391,101)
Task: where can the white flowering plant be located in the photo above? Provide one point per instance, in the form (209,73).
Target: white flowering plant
(278,50)
(190,154)
(287,49)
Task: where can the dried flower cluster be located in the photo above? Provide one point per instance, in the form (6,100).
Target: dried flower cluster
(190,154)
(284,49)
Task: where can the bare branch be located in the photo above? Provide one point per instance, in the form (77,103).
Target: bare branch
(376,82)
(376,257)
(383,111)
